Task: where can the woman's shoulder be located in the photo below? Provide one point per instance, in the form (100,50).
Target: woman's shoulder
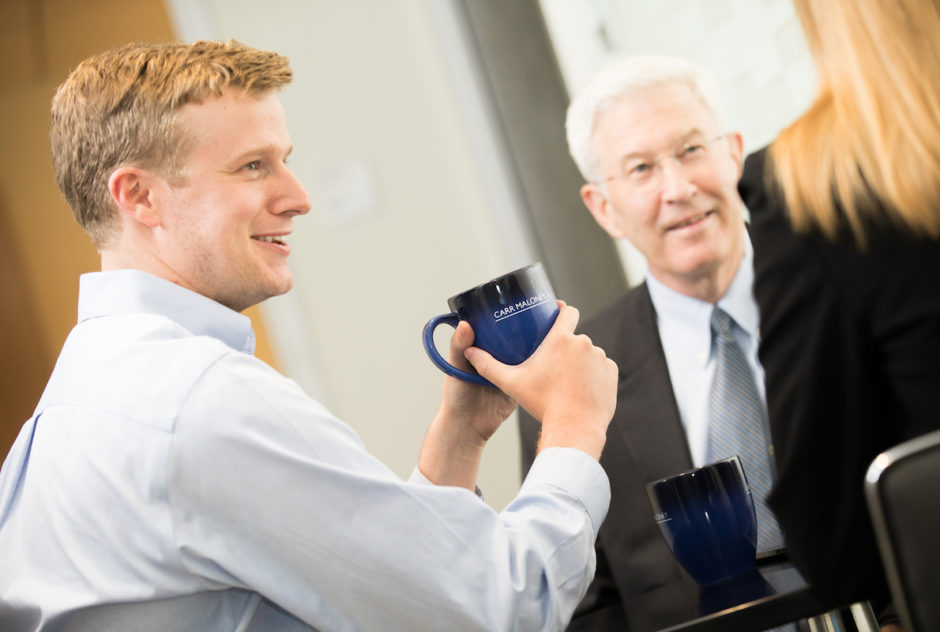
(756,186)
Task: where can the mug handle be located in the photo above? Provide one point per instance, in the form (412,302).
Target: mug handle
(445,366)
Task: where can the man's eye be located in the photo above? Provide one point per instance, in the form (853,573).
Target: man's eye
(254,165)
(692,149)
(638,169)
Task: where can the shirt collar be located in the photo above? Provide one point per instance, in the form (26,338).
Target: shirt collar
(738,300)
(689,319)
(132,291)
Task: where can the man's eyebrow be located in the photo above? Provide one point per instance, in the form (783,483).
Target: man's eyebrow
(263,150)
(692,133)
(684,138)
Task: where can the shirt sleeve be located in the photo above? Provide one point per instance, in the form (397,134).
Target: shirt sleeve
(418,478)
(271,493)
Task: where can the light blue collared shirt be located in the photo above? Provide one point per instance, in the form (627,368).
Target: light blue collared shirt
(169,480)
(685,331)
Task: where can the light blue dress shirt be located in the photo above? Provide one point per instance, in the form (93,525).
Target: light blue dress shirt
(685,332)
(169,480)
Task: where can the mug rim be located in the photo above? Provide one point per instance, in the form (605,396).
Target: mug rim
(694,470)
(505,275)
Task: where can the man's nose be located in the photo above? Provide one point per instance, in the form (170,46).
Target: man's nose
(296,200)
(675,182)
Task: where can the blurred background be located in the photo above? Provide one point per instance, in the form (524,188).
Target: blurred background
(430,136)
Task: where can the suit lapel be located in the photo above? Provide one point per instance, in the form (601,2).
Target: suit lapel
(647,423)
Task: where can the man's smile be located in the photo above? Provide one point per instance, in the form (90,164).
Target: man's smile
(273,239)
(689,221)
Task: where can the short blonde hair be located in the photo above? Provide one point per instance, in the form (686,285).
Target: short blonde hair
(870,139)
(119,107)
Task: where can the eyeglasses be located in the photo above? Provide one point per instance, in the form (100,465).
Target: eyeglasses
(645,172)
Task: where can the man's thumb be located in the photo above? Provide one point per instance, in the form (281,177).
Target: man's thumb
(485,364)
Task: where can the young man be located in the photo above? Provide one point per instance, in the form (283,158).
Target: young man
(169,480)
(661,171)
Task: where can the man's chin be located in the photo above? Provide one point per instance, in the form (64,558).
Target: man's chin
(259,295)
(278,280)
(274,291)
(286,286)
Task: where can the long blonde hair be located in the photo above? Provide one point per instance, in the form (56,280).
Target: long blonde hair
(871,139)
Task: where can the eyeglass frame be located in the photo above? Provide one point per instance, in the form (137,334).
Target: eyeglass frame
(657,159)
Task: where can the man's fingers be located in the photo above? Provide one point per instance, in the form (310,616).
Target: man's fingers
(462,338)
(495,371)
(567,319)
(485,364)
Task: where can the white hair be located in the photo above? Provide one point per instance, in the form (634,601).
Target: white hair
(628,77)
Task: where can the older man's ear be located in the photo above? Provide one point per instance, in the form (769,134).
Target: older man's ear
(596,200)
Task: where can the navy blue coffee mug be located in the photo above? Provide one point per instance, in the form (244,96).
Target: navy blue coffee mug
(707,517)
(510,316)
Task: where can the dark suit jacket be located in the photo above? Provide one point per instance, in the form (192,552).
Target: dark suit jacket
(850,345)
(637,579)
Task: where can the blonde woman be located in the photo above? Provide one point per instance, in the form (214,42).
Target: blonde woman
(846,229)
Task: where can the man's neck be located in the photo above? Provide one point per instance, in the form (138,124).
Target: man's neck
(137,256)
(707,284)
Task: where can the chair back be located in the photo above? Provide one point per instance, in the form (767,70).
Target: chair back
(902,488)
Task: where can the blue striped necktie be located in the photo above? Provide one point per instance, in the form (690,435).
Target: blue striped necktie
(737,424)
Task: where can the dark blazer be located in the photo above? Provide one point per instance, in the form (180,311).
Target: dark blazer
(850,345)
(638,582)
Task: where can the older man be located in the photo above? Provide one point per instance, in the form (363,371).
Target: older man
(661,171)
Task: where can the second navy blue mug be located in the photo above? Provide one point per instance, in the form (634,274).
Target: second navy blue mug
(510,316)
(707,517)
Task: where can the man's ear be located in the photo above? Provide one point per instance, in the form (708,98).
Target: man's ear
(131,188)
(736,147)
(596,201)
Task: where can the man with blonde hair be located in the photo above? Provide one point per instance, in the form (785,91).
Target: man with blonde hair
(169,480)
(661,171)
